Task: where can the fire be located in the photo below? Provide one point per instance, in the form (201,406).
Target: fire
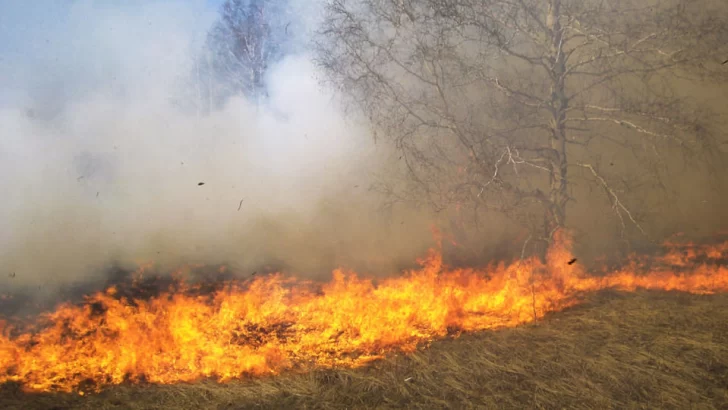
(277,323)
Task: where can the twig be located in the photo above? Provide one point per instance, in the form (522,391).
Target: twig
(532,281)
(523,249)
(533,298)
(617,204)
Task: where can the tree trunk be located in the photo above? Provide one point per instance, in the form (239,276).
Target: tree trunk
(556,215)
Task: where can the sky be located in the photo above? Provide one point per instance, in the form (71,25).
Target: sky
(45,42)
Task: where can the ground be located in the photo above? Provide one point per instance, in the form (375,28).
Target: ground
(617,350)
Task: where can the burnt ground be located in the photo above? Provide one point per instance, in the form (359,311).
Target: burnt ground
(27,303)
(617,350)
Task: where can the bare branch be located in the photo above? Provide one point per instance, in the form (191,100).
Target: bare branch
(617,204)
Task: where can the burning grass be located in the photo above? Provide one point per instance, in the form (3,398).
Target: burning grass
(653,349)
(276,325)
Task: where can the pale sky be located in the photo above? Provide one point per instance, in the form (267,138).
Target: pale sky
(83,44)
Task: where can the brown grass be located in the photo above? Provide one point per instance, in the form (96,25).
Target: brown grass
(621,351)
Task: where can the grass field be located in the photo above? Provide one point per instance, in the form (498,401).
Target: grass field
(617,350)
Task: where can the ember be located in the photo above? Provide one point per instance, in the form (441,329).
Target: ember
(274,323)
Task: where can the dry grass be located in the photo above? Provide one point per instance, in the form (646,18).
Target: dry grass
(642,350)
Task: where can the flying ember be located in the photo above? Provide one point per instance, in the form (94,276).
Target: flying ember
(276,323)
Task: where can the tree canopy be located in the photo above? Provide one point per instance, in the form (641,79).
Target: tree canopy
(520,106)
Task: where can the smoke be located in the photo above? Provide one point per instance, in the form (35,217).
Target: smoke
(100,166)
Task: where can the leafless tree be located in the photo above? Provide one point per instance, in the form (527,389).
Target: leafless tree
(508,105)
(247,39)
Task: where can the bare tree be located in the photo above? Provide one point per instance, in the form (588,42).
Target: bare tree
(248,38)
(508,105)
(196,93)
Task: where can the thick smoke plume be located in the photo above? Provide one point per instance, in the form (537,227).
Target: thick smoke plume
(100,166)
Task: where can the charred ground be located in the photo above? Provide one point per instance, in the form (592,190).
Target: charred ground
(130,285)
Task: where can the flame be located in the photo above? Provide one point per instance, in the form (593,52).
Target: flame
(277,323)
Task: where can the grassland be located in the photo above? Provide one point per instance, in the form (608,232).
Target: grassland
(617,350)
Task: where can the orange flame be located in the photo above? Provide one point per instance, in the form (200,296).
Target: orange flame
(273,324)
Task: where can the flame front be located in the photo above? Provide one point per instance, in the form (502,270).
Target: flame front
(275,323)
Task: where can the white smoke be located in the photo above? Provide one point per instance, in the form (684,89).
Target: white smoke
(99,164)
